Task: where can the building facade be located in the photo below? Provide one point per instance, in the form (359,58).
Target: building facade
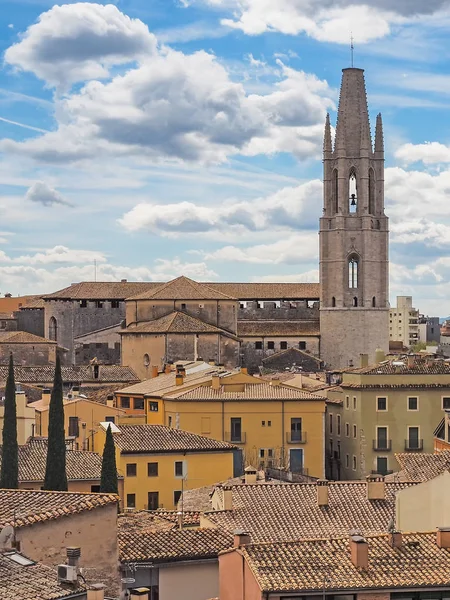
(404,322)
(354,235)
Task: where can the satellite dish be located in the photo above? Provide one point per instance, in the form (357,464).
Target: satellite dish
(6,536)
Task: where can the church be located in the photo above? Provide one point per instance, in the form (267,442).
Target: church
(145,325)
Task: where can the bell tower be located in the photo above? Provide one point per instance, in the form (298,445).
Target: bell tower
(354,234)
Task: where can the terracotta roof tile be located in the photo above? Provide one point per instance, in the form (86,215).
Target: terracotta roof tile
(25,507)
(101,290)
(270,291)
(314,565)
(423,467)
(175,322)
(253,391)
(278,328)
(80,374)
(286,512)
(158,438)
(182,288)
(399,366)
(33,303)
(23,337)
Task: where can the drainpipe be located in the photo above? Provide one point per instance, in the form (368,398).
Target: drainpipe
(223,421)
(282,431)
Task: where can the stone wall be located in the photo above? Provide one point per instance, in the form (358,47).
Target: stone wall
(28,354)
(279,311)
(31,320)
(103,352)
(252,357)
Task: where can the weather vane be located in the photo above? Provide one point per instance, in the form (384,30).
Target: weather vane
(352,47)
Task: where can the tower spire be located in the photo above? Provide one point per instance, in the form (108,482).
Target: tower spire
(379,138)
(327,144)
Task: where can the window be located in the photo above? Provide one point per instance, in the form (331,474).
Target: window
(335,191)
(179,468)
(125,402)
(270,452)
(333,302)
(354,402)
(115,304)
(355,302)
(236,429)
(355,431)
(99,304)
(83,303)
(176,496)
(413,403)
(131,470)
(152,469)
(269,423)
(347,401)
(347,429)
(382,465)
(381,404)
(374,302)
(262,452)
(353,193)
(258,345)
(302,345)
(283,345)
(331,423)
(354,463)
(446,403)
(263,423)
(338,424)
(53,329)
(413,438)
(74,429)
(338,444)
(183,306)
(146,360)
(347,461)
(382,438)
(153,406)
(371,192)
(95,489)
(138,403)
(110,419)
(353,273)
(131,500)
(153,500)
(270,345)
(296,429)
(169,421)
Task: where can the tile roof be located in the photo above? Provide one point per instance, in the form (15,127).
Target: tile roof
(79,465)
(423,467)
(23,337)
(278,328)
(101,290)
(399,366)
(26,507)
(33,303)
(34,582)
(251,391)
(313,565)
(294,356)
(190,517)
(173,545)
(135,439)
(5,316)
(175,322)
(286,512)
(270,291)
(182,288)
(80,374)
(141,521)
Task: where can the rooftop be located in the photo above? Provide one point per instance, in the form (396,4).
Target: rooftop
(182,288)
(270,291)
(80,374)
(23,337)
(285,512)
(248,391)
(42,405)
(278,328)
(101,290)
(143,439)
(314,565)
(423,467)
(406,365)
(26,507)
(175,322)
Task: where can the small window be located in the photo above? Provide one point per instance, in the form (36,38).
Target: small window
(374,302)
(131,500)
(183,306)
(269,423)
(302,345)
(446,403)
(258,345)
(283,345)
(347,461)
(110,419)
(179,471)
(263,423)
(169,421)
(115,304)
(270,452)
(355,302)
(347,429)
(153,500)
(146,360)
(331,423)
(413,403)
(333,302)
(381,404)
(153,406)
(74,430)
(355,432)
(354,402)
(338,424)
(131,470)
(152,469)
(270,345)
(83,303)
(262,452)
(347,401)
(382,465)
(95,489)
(99,304)
(138,403)
(354,462)
(176,496)
(125,402)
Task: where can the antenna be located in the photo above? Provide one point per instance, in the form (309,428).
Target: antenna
(352,48)
(95,269)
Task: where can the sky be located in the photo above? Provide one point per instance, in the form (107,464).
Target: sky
(147,139)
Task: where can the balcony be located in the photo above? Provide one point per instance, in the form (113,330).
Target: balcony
(413,445)
(382,445)
(384,473)
(235,438)
(296,437)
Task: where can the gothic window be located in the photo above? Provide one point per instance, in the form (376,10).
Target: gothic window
(335,191)
(53,329)
(353,273)
(371,192)
(353,192)
(374,302)
(355,301)
(333,301)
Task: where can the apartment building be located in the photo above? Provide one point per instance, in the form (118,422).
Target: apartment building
(404,322)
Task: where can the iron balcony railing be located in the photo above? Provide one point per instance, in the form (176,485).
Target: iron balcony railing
(382,445)
(296,437)
(234,438)
(381,472)
(414,445)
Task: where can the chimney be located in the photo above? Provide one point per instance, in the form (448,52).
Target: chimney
(155,371)
(227,499)
(179,379)
(376,487)
(396,539)
(167,369)
(110,400)
(141,593)
(21,403)
(359,549)
(75,391)
(215,382)
(96,592)
(180,520)
(410,361)
(322,492)
(275,381)
(181,370)
(83,428)
(244,370)
(443,537)
(46,393)
(73,555)
(123,280)
(241,538)
(212,362)
(380,356)
(364,360)
(250,475)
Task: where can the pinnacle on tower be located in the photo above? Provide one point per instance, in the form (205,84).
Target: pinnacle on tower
(353,138)
(379,138)
(327,144)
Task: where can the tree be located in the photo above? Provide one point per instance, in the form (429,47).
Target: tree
(108,482)
(55,470)
(9,477)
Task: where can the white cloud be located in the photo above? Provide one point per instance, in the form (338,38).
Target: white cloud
(77,42)
(42,193)
(429,153)
(307,277)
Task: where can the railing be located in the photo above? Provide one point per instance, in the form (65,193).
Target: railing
(382,445)
(286,475)
(232,438)
(296,437)
(413,445)
(379,472)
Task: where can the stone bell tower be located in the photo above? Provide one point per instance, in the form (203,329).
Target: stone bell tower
(354,234)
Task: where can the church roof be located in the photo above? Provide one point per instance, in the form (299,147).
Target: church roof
(182,288)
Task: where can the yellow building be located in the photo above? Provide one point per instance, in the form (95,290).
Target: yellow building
(82,418)
(158,463)
(25,418)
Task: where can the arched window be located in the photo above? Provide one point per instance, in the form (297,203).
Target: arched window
(371,192)
(353,192)
(353,273)
(53,329)
(146,360)
(374,302)
(333,301)
(335,192)
(355,301)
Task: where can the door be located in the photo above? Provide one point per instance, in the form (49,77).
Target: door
(382,465)
(153,500)
(238,462)
(296,460)
(413,438)
(236,429)
(382,441)
(296,430)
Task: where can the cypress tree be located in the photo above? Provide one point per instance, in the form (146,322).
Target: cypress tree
(9,477)
(55,471)
(108,482)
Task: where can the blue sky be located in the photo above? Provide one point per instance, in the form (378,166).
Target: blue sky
(167,137)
